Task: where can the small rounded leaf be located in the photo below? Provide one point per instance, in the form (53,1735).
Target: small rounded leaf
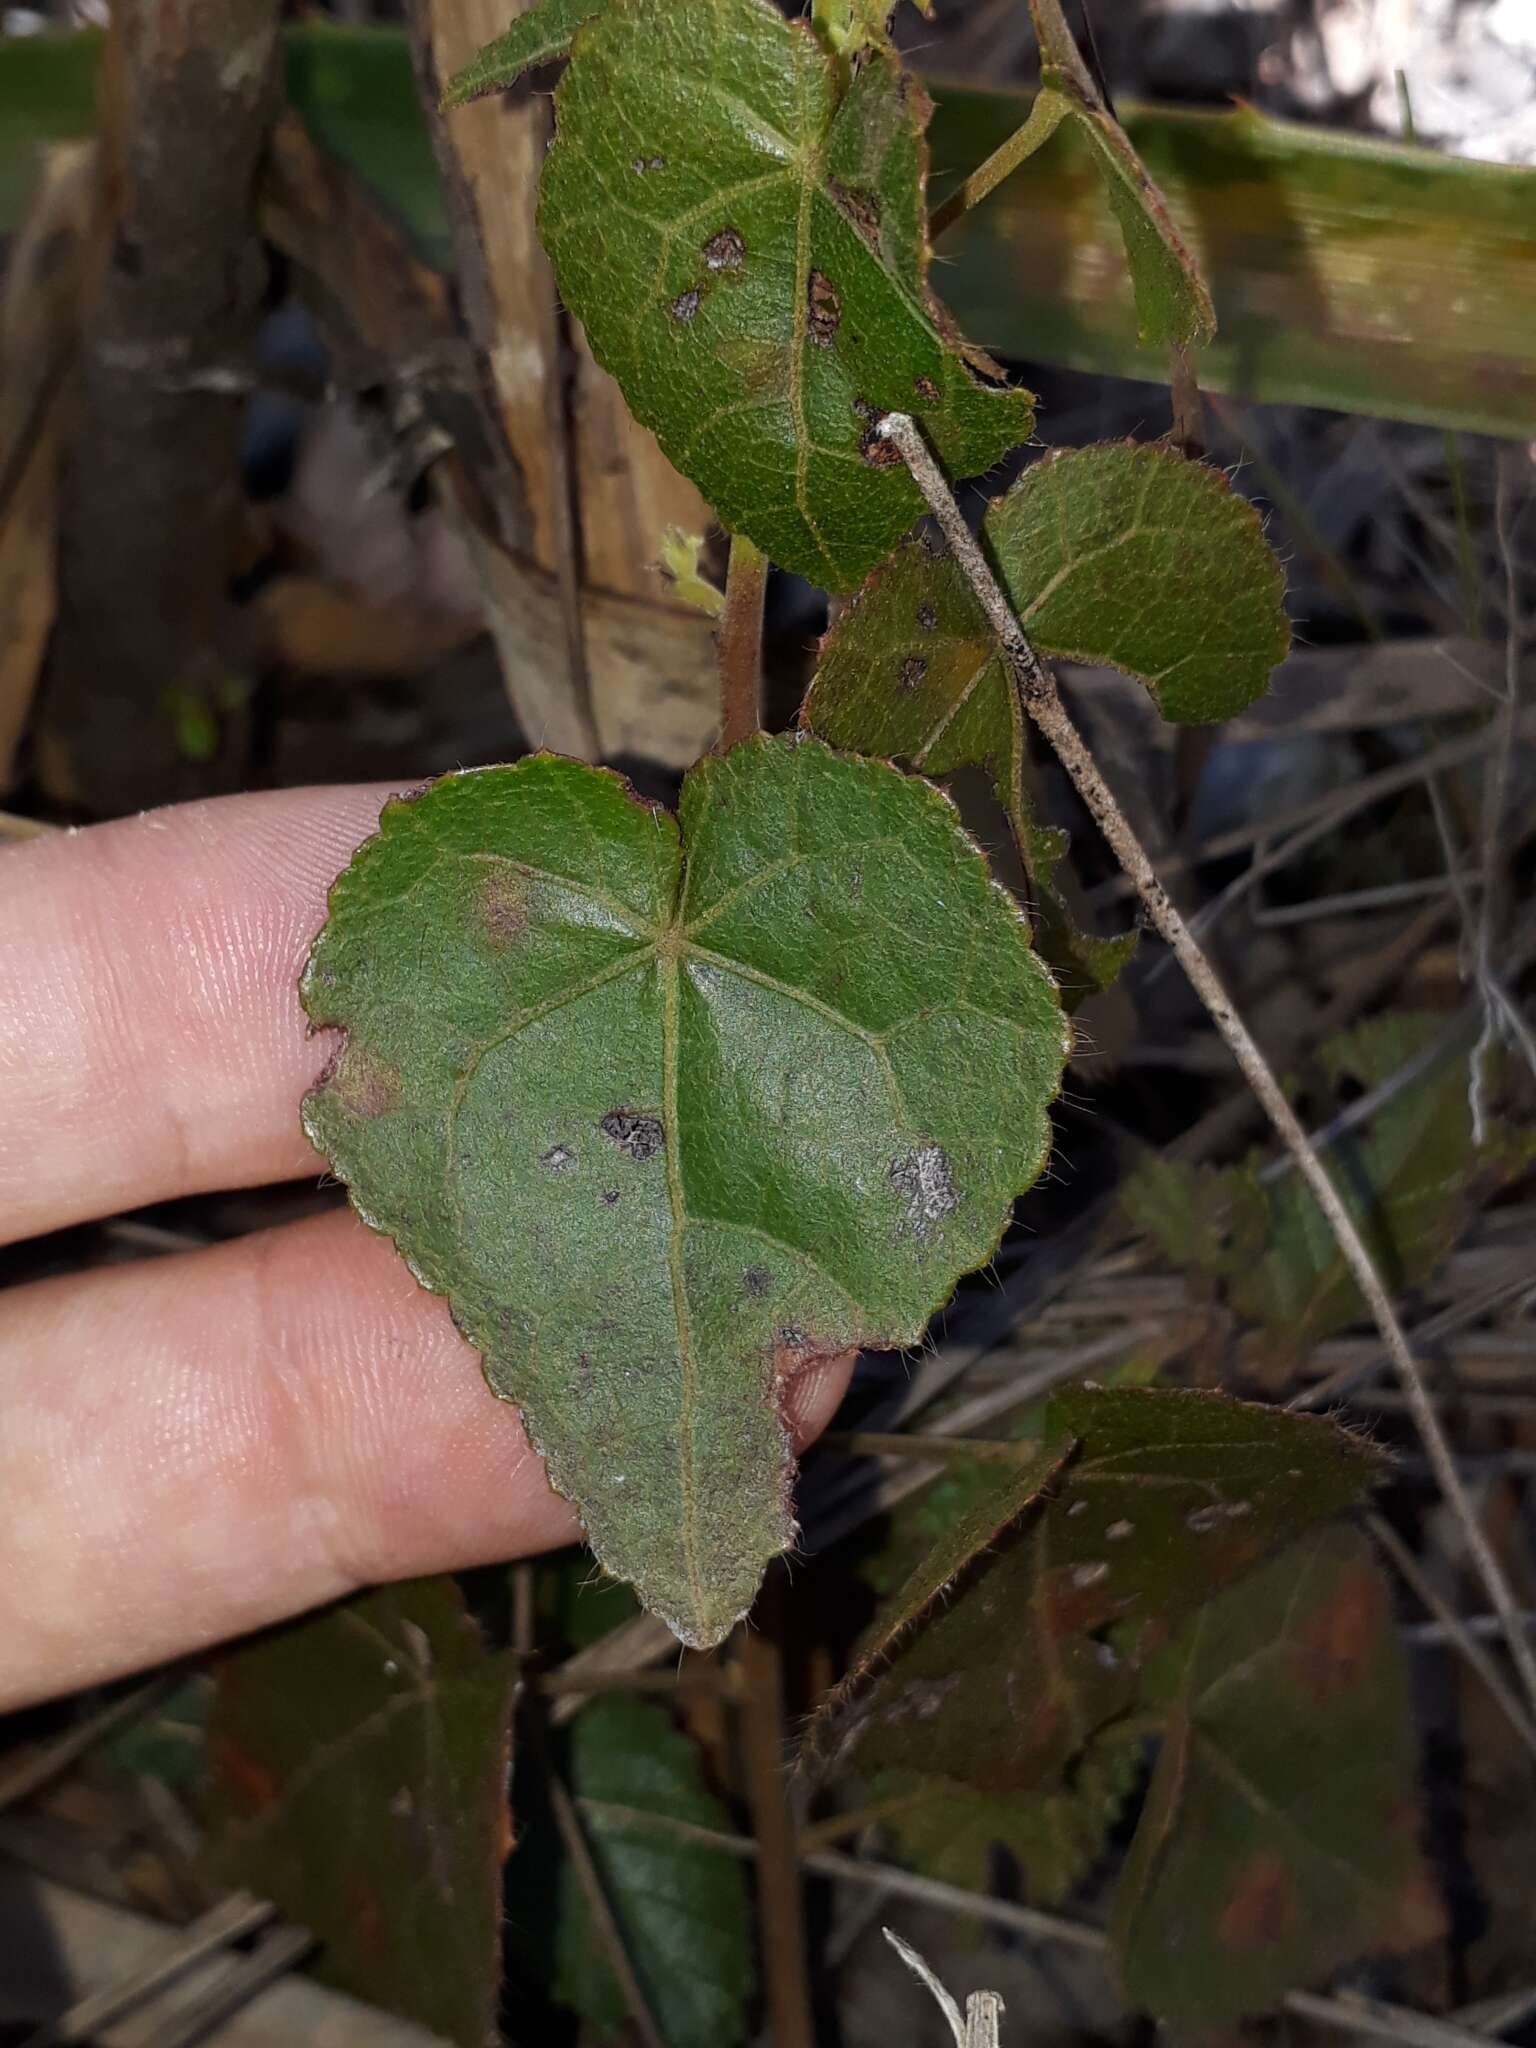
(744,241)
(670,1109)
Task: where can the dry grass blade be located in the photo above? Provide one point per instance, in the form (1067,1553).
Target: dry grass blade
(222,1925)
(615,1953)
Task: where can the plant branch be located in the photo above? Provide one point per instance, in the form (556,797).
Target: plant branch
(1045,117)
(740,641)
(1036,688)
(780,1905)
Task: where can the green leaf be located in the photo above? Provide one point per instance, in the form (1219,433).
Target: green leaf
(1040,1647)
(984,1507)
(1173,307)
(745,247)
(1125,556)
(1055,1832)
(670,1109)
(537,37)
(681,1907)
(360,1781)
(1280,1833)
(1406,1181)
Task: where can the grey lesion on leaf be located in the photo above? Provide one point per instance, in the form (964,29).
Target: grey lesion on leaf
(558,1159)
(686,305)
(926,388)
(927,618)
(757,1281)
(642,164)
(637,1134)
(912,671)
(725,250)
(926,1185)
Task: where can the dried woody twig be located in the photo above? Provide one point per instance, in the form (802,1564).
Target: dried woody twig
(1040,698)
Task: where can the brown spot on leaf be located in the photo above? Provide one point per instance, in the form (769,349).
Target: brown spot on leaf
(757,1280)
(725,251)
(877,451)
(1333,1649)
(823,309)
(685,305)
(502,904)
(862,208)
(368,1919)
(926,388)
(609,1198)
(251,1784)
(363,1082)
(637,1135)
(1262,1907)
(912,671)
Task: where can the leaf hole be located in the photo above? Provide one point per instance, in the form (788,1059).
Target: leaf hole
(638,1135)
(823,309)
(725,250)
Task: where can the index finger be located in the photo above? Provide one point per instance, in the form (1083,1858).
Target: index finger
(152,1042)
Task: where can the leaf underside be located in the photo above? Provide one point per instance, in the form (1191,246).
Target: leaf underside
(745,243)
(359,1763)
(670,1109)
(1280,1834)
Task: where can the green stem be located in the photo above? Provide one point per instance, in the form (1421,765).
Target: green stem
(1045,117)
(740,642)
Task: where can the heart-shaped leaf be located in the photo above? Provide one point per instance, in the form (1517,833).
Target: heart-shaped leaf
(1279,1837)
(669,1114)
(359,1762)
(1168,1497)
(1125,556)
(744,239)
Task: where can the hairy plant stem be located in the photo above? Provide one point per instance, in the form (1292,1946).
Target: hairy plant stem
(739,638)
(1045,117)
(1036,689)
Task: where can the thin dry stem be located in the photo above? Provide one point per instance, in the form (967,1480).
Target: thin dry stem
(1459,1634)
(739,638)
(1036,688)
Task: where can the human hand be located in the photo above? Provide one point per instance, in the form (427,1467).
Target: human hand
(200,1444)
